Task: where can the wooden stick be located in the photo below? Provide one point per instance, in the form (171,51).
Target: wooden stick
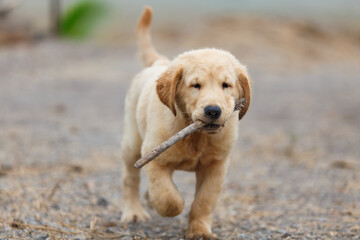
(168,143)
(179,136)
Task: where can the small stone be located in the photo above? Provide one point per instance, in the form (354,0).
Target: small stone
(341,164)
(43,237)
(286,235)
(281,231)
(243,236)
(102,202)
(76,168)
(55,206)
(265,238)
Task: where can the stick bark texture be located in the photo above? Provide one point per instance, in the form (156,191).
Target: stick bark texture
(178,136)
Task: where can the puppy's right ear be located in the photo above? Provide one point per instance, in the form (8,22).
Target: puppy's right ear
(166,86)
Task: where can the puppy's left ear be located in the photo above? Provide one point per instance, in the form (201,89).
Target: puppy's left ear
(245,90)
(166,86)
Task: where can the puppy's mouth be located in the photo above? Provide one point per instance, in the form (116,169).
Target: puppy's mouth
(212,128)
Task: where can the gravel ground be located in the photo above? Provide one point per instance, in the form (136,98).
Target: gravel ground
(294,172)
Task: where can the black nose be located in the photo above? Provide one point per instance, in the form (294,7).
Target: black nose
(212,112)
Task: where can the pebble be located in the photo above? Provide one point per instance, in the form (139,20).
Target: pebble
(243,236)
(281,231)
(102,202)
(265,238)
(43,237)
(55,206)
(285,235)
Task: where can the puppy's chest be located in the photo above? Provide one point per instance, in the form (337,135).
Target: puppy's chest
(193,150)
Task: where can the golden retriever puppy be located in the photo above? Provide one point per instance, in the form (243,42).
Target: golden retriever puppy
(163,99)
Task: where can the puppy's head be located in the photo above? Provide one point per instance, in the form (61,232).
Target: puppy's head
(204,85)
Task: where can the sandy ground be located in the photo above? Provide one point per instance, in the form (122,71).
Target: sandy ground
(295,171)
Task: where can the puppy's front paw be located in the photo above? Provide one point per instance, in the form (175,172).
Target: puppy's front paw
(167,204)
(134,215)
(199,230)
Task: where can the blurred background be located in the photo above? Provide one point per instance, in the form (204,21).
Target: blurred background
(65,67)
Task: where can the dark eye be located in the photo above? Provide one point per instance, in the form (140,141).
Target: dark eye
(198,86)
(225,85)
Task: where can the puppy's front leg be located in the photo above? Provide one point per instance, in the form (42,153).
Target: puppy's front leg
(209,181)
(164,196)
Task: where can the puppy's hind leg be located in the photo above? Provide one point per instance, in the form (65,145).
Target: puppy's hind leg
(132,209)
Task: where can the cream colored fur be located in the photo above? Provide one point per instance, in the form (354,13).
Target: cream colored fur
(163,99)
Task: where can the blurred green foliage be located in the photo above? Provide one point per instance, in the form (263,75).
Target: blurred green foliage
(82,18)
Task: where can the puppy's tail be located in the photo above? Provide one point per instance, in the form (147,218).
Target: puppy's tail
(147,51)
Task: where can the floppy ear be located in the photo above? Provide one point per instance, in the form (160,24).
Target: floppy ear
(244,85)
(166,86)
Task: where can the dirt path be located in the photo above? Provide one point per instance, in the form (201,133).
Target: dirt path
(295,172)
